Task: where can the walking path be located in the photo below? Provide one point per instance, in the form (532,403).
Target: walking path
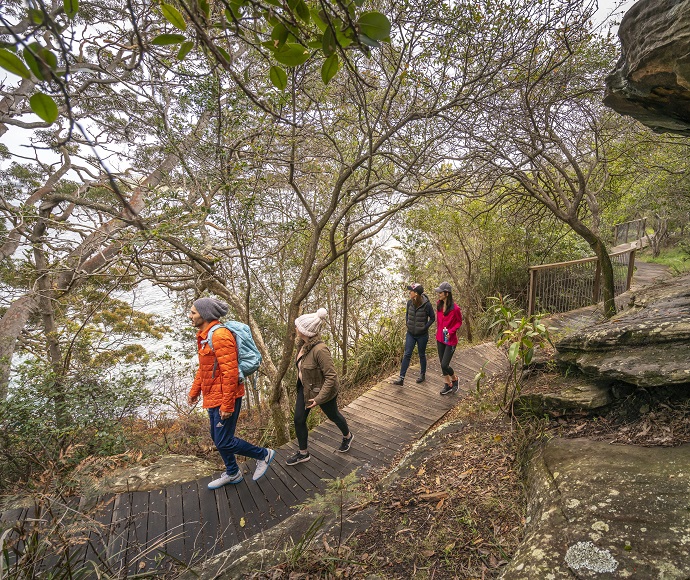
(143,531)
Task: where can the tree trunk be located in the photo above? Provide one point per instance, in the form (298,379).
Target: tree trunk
(345,306)
(11,326)
(608,288)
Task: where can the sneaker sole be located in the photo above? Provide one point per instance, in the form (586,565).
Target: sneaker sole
(271,455)
(348,447)
(307,458)
(446,392)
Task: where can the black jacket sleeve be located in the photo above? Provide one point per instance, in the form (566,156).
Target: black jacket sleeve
(431,315)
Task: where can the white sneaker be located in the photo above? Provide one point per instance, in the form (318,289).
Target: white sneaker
(262,465)
(225,479)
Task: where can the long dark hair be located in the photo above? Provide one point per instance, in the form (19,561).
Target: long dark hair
(449,303)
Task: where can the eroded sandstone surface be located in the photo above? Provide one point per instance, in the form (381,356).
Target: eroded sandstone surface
(647,345)
(598,510)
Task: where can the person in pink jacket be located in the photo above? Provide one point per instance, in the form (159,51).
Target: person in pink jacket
(448,322)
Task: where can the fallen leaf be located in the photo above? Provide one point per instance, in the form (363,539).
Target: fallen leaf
(421,471)
(404,530)
(432,496)
(428,553)
(242,523)
(439,505)
(438,480)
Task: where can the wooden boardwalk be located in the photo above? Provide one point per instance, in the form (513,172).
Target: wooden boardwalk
(143,531)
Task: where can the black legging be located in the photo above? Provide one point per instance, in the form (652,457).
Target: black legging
(330,408)
(445,353)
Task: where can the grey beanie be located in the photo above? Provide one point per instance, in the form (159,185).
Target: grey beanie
(210,308)
(310,324)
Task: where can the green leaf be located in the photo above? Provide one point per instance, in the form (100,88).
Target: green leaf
(278,77)
(224,53)
(330,68)
(374,25)
(528,356)
(71,8)
(33,64)
(40,60)
(36,16)
(184,49)
(320,24)
(173,16)
(366,41)
(302,11)
(205,8)
(12,63)
(166,39)
(279,34)
(44,106)
(513,352)
(292,54)
(329,42)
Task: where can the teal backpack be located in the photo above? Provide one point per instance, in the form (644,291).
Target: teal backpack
(248,355)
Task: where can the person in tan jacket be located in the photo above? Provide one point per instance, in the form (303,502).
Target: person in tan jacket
(317,384)
(217,379)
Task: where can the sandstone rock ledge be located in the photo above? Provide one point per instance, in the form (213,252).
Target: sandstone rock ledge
(606,511)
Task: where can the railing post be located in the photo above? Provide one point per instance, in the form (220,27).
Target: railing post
(532,292)
(597,283)
(631,269)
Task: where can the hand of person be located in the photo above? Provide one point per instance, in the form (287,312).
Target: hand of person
(312,403)
(192,400)
(224,415)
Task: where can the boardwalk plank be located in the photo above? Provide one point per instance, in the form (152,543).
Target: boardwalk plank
(102,516)
(136,543)
(117,541)
(227,524)
(234,504)
(210,531)
(174,543)
(191,515)
(156,530)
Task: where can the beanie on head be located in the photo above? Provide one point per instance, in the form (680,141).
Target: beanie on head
(310,324)
(210,308)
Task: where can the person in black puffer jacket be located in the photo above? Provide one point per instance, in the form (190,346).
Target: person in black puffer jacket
(419,317)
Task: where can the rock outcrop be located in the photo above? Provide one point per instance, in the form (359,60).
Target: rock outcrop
(647,345)
(651,81)
(166,470)
(569,394)
(598,510)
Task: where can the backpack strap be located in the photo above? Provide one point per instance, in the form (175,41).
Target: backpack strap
(209,341)
(209,336)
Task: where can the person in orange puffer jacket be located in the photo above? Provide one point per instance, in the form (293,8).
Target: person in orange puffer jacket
(217,379)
